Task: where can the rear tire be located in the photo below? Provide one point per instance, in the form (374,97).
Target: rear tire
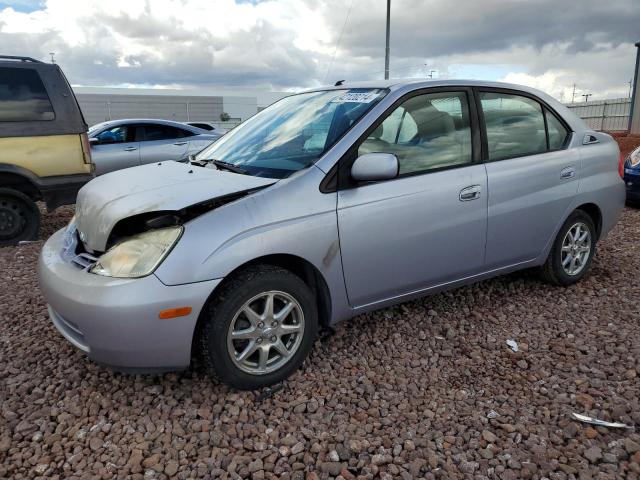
(246,343)
(572,251)
(19,217)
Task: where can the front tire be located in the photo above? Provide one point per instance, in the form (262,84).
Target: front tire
(572,251)
(259,328)
(19,217)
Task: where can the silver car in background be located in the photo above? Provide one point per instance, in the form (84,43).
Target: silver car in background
(325,205)
(118,144)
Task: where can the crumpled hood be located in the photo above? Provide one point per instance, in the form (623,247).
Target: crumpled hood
(106,200)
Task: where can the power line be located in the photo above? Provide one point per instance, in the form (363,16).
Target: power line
(338,43)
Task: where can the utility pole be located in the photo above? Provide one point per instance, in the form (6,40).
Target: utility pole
(630,82)
(586,96)
(386,50)
(634,114)
(53,54)
(573,95)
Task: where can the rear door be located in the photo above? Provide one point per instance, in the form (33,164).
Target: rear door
(532,177)
(116,149)
(163,142)
(427,226)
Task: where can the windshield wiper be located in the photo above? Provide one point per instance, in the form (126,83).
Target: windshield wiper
(228,166)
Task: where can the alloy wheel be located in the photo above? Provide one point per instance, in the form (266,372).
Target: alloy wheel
(265,332)
(576,249)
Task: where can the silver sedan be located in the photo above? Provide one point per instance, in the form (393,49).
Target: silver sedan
(127,143)
(326,205)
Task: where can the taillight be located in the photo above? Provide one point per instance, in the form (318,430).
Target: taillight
(86,148)
(621,166)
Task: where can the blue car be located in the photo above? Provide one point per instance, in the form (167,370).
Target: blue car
(632,176)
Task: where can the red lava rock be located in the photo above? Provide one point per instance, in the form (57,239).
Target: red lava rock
(403,392)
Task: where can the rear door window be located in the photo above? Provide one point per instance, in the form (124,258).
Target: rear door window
(23,97)
(514,125)
(164,132)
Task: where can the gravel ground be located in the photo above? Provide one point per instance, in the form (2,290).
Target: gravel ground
(424,389)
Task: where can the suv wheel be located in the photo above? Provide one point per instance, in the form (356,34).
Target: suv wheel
(19,217)
(572,251)
(259,328)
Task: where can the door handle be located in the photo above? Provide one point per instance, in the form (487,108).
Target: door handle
(567,172)
(130,149)
(470,193)
(180,143)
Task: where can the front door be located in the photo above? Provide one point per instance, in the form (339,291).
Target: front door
(428,226)
(116,149)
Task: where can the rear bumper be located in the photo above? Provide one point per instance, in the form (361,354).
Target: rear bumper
(62,189)
(115,321)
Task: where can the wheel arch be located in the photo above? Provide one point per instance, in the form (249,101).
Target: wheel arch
(595,213)
(20,179)
(299,266)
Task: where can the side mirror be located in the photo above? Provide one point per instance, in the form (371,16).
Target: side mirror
(94,141)
(375,166)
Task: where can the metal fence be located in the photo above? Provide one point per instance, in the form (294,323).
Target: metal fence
(609,115)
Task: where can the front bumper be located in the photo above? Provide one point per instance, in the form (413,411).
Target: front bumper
(632,183)
(115,321)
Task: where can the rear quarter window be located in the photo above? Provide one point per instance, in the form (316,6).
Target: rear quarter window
(23,97)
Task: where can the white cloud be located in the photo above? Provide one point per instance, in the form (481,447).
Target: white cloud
(289,43)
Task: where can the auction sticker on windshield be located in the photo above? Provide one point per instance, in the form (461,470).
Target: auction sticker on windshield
(356,97)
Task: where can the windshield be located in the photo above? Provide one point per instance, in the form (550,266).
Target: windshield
(292,133)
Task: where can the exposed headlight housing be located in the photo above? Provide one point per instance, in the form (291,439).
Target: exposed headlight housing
(137,256)
(634,157)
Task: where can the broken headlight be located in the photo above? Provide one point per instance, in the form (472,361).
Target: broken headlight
(139,255)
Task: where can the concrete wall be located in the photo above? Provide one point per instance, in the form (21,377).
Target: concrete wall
(100,107)
(100,104)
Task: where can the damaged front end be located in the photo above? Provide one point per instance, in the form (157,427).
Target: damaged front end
(137,245)
(142,222)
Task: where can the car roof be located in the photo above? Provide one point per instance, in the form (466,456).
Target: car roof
(417,83)
(158,121)
(410,84)
(145,120)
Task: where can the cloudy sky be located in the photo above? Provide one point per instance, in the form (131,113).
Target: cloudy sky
(292,44)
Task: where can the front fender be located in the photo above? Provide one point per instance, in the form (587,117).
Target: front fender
(292,217)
